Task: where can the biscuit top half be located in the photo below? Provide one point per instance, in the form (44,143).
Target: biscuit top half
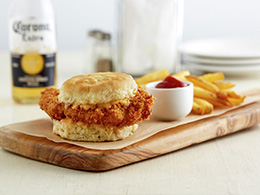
(97,88)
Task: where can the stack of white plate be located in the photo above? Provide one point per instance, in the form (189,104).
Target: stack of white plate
(230,56)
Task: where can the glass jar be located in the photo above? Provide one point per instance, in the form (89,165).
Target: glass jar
(149,35)
(99,55)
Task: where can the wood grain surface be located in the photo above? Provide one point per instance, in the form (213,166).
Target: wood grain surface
(75,157)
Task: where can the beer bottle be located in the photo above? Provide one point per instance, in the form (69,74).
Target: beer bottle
(32,44)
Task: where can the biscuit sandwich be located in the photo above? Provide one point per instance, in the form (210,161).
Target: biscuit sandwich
(103,106)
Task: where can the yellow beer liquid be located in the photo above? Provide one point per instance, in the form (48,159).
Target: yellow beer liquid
(27,95)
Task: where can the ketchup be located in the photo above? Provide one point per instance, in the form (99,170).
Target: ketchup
(171,82)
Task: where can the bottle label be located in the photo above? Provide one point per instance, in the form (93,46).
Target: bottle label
(33,70)
(32,35)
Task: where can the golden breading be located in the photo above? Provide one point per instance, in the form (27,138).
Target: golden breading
(138,109)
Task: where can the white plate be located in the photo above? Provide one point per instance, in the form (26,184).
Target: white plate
(219,61)
(223,48)
(228,70)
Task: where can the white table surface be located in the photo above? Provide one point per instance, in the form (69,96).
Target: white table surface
(228,165)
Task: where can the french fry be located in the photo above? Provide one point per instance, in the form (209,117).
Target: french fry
(204,94)
(181,75)
(213,77)
(210,97)
(207,107)
(234,98)
(222,94)
(225,94)
(151,77)
(233,94)
(219,104)
(236,101)
(200,82)
(223,85)
(197,109)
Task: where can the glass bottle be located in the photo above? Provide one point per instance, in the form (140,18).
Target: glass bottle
(32,44)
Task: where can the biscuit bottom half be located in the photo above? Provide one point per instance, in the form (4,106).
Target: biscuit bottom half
(78,131)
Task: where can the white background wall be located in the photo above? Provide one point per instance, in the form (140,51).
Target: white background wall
(202,18)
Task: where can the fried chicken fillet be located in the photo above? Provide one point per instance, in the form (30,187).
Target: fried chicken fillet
(138,110)
(97,107)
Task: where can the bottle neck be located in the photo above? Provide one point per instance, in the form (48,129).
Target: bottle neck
(31,8)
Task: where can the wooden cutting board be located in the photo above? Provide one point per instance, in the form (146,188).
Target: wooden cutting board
(76,157)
